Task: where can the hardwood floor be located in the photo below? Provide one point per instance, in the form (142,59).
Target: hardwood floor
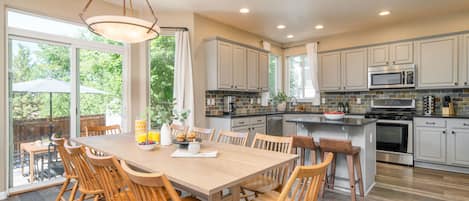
(393,183)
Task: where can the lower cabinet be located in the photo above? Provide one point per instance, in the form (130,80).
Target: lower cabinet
(430,144)
(446,141)
(250,125)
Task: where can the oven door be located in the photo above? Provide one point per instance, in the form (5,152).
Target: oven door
(394,136)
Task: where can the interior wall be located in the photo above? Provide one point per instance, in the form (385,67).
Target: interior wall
(205,28)
(61,9)
(454,22)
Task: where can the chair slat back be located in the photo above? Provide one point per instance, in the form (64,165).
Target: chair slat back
(86,176)
(272,143)
(305,182)
(176,128)
(276,144)
(149,186)
(335,145)
(102,130)
(110,176)
(301,144)
(205,134)
(235,138)
(65,156)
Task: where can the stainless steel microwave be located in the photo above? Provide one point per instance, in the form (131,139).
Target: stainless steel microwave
(398,76)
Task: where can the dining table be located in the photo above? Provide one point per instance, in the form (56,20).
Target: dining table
(205,178)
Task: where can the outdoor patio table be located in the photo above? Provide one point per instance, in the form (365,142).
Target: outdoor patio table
(33,149)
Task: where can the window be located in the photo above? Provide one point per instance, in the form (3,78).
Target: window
(61,79)
(162,50)
(275,75)
(299,82)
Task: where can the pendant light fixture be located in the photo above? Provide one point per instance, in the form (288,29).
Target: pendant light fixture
(123,28)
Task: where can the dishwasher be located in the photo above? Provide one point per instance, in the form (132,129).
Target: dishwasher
(275,125)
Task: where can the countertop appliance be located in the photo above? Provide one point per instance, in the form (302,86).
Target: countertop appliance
(229,106)
(275,125)
(398,76)
(394,129)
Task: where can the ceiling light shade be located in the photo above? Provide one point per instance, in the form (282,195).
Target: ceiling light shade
(122,28)
(384,12)
(281,26)
(244,10)
(319,26)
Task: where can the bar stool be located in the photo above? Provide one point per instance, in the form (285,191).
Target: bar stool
(353,163)
(300,145)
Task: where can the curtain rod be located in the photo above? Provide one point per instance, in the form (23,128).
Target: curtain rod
(176,28)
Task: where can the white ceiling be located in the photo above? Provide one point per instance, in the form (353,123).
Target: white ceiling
(300,16)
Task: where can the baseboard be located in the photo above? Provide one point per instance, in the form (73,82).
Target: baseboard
(441,167)
(3,195)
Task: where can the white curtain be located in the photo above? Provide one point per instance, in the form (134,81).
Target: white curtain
(183,82)
(312,53)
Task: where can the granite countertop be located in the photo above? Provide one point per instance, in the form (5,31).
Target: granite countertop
(343,122)
(443,116)
(268,113)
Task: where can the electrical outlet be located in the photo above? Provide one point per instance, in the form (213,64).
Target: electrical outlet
(323,100)
(208,101)
(259,101)
(213,101)
(251,101)
(359,101)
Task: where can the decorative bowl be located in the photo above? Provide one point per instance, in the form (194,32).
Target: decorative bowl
(334,115)
(146,147)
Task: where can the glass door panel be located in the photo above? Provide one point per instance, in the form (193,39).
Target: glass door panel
(100,97)
(39,105)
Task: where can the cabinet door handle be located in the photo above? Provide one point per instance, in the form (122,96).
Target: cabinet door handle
(387,62)
(456,83)
(465,124)
(241,122)
(444,132)
(453,132)
(465,83)
(393,62)
(430,123)
(236,87)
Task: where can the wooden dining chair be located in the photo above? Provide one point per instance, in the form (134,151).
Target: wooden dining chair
(235,138)
(176,128)
(88,182)
(301,144)
(102,130)
(69,171)
(151,186)
(206,134)
(273,179)
(303,185)
(111,177)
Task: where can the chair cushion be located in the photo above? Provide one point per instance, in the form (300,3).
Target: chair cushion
(261,184)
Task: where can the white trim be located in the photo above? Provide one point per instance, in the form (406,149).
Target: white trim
(74,95)
(3,195)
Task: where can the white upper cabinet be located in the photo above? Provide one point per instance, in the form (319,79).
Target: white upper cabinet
(330,72)
(263,71)
(225,65)
(235,67)
(436,60)
(378,55)
(464,61)
(239,67)
(354,69)
(252,69)
(401,53)
(393,54)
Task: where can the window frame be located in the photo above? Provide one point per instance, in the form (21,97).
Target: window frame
(287,77)
(279,73)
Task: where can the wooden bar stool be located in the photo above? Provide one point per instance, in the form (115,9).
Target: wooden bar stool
(353,163)
(302,143)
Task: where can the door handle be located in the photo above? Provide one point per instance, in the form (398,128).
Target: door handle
(444,132)
(453,132)
(465,124)
(430,123)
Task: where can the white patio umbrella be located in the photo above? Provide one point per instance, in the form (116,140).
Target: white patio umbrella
(50,86)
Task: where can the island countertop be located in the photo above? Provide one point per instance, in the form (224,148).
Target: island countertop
(342,122)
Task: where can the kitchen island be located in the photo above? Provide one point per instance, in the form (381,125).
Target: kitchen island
(362,133)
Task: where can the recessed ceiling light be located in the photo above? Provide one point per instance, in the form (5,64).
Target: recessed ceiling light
(384,12)
(290,36)
(281,26)
(319,26)
(244,10)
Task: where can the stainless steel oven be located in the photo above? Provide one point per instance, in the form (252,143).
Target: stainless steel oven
(398,76)
(394,141)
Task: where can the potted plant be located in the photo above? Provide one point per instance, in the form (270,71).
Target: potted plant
(166,114)
(281,100)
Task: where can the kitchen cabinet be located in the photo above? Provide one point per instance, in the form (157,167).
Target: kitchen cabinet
(464,61)
(252,69)
(430,144)
(263,71)
(330,72)
(355,70)
(436,60)
(343,71)
(235,67)
(250,125)
(239,67)
(392,54)
(442,141)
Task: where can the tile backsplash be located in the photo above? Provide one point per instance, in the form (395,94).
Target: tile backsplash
(460,99)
